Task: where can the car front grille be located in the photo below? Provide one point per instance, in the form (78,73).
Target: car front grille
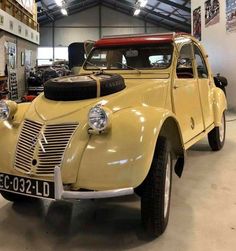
(41,147)
(26,145)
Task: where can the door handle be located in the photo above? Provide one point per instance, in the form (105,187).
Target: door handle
(177,86)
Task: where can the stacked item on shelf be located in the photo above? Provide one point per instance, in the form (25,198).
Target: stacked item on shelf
(13,85)
(41,74)
(3,87)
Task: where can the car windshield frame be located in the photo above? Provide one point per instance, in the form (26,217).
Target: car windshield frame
(88,64)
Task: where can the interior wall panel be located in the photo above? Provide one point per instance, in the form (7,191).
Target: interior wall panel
(221,48)
(85,25)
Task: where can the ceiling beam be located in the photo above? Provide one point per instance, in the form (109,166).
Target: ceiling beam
(149,15)
(146,19)
(176,5)
(151,12)
(47,11)
(71,10)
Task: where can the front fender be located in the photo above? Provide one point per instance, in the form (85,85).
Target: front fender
(122,157)
(21,110)
(219,105)
(9,133)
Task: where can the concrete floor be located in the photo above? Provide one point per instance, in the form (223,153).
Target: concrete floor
(203,214)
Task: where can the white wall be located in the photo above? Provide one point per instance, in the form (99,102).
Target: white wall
(21,45)
(221,47)
(25,32)
(85,25)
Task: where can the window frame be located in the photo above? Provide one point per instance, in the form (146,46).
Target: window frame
(134,47)
(203,60)
(190,43)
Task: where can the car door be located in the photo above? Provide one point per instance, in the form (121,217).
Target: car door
(186,98)
(205,86)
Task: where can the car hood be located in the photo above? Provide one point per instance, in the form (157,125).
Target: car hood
(137,92)
(49,110)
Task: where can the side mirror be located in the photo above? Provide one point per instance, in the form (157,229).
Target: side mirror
(220,80)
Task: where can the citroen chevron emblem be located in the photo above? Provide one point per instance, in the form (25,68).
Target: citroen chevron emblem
(39,140)
(33,141)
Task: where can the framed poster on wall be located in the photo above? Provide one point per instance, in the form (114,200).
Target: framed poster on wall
(230,15)
(197,23)
(28,55)
(212,12)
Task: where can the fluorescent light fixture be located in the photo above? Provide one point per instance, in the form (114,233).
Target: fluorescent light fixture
(143,3)
(59,2)
(136,12)
(64,12)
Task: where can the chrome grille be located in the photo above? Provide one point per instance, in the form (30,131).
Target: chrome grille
(26,145)
(46,143)
(56,140)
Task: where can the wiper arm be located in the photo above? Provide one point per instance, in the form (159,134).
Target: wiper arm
(100,69)
(130,67)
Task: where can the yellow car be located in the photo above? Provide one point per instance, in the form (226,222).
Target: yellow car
(116,129)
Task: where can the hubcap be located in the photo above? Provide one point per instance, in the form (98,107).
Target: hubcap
(222,129)
(167,185)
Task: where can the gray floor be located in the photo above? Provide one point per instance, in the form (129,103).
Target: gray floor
(203,214)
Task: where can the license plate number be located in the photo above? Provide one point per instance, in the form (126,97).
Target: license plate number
(27,186)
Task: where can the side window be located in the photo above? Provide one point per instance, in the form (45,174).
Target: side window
(201,64)
(185,62)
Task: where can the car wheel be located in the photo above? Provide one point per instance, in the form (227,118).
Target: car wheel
(216,137)
(156,191)
(13,197)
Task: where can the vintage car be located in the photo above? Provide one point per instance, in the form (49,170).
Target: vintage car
(116,129)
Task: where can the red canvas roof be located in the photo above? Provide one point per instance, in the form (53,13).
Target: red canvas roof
(134,40)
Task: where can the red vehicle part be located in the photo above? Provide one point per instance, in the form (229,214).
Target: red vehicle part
(28,98)
(136,39)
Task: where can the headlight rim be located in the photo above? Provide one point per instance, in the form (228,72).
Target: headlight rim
(107,115)
(8,110)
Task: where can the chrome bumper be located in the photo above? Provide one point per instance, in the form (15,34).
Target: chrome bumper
(61,194)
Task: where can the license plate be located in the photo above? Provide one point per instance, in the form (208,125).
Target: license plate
(27,186)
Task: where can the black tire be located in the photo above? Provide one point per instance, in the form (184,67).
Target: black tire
(13,197)
(216,138)
(154,214)
(81,87)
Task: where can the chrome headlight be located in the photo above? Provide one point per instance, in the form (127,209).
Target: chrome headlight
(4,111)
(98,118)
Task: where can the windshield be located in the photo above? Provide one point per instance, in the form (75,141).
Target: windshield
(158,56)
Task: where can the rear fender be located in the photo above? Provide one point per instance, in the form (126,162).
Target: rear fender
(219,105)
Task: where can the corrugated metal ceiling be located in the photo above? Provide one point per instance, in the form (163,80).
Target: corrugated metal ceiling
(171,14)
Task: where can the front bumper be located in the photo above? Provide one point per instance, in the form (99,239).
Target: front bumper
(61,194)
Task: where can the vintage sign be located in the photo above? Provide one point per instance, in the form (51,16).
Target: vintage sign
(27,4)
(212,12)
(197,29)
(230,15)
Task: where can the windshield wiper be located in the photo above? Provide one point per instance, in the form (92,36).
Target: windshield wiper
(130,67)
(100,69)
